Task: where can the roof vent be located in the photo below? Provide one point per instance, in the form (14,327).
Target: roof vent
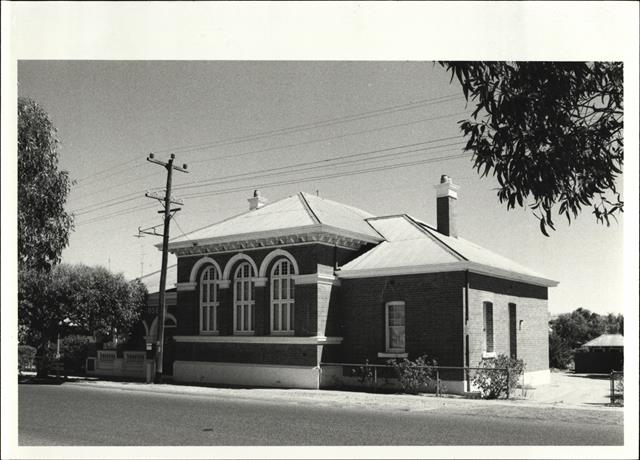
(256,201)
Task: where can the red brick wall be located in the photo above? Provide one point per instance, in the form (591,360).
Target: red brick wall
(433,316)
(532,333)
(306,317)
(292,355)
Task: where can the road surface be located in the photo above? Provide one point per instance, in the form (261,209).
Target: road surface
(78,415)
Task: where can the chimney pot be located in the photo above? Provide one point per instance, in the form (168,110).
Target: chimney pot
(256,201)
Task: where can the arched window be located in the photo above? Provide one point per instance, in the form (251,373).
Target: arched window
(282,296)
(209,300)
(244,309)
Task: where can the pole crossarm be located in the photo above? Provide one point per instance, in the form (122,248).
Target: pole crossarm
(147,231)
(161,199)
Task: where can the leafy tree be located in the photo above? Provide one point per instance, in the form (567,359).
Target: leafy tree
(570,331)
(95,300)
(43,224)
(551,133)
(560,355)
(578,327)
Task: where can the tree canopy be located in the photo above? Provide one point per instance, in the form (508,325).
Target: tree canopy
(570,331)
(43,224)
(550,132)
(93,299)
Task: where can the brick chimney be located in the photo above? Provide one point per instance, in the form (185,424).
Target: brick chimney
(447,196)
(256,201)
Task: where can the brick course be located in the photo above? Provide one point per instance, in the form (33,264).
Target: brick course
(433,316)
(291,355)
(532,333)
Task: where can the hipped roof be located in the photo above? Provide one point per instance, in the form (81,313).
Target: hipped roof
(299,211)
(403,244)
(411,246)
(606,340)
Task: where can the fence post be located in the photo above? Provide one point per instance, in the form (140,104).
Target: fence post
(612,396)
(508,383)
(468,376)
(375,379)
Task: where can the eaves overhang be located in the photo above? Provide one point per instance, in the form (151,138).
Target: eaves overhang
(255,240)
(473,267)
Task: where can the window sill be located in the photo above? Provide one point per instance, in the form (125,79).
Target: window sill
(209,332)
(244,332)
(489,354)
(282,333)
(392,355)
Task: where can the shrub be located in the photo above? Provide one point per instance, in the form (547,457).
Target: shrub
(492,378)
(415,376)
(26,357)
(74,352)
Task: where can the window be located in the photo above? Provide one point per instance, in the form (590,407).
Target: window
(244,308)
(209,300)
(487,313)
(395,321)
(282,296)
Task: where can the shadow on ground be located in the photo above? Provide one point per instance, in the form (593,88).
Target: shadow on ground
(590,376)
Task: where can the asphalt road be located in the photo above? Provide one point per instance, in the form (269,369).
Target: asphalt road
(76,415)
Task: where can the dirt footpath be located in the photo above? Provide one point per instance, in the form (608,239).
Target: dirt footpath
(566,388)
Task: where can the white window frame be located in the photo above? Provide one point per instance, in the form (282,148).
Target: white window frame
(282,298)
(209,307)
(243,308)
(387,327)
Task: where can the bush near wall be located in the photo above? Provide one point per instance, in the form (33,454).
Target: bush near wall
(26,357)
(492,378)
(415,376)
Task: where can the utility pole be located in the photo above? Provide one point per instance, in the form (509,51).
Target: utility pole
(168,214)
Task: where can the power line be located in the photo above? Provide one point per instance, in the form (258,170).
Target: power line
(288,182)
(298,144)
(321,163)
(329,176)
(313,125)
(134,196)
(222,157)
(288,130)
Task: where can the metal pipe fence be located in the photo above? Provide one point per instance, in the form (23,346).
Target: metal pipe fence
(376,371)
(616,387)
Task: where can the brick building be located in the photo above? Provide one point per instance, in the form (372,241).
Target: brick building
(265,297)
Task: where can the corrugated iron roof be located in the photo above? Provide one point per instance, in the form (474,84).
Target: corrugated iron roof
(405,244)
(606,340)
(411,244)
(300,210)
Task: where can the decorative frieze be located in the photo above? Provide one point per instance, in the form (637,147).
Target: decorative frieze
(331,239)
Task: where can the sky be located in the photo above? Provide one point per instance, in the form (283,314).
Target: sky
(372,134)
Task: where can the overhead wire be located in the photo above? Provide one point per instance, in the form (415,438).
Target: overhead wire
(313,125)
(198,184)
(286,130)
(250,152)
(288,182)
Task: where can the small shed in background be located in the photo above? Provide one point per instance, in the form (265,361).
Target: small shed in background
(601,355)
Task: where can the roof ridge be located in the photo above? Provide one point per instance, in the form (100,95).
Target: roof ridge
(344,205)
(307,207)
(186,235)
(429,232)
